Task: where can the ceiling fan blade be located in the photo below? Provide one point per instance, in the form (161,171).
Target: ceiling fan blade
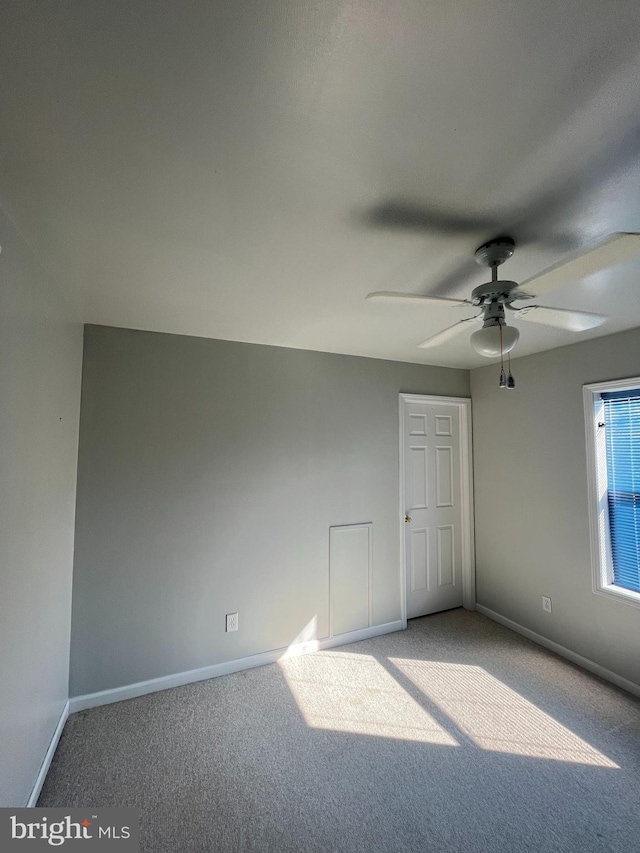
(560,318)
(408,298)
(616,249)
(450,333)
(519,294)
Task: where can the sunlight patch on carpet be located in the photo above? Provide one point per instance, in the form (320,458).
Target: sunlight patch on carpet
(355,693)
(494,716)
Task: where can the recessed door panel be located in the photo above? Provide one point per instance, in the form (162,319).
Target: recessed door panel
(446,557)
(417,424)
(419,560)
(444,476)
(444,425)
(419,487)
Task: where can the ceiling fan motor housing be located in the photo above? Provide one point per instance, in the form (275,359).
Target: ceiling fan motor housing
(494,314)
(503,292)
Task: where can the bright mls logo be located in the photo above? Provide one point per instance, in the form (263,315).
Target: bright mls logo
(88,829)
(55,832)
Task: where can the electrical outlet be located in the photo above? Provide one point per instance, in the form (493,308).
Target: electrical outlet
(546,604)
(232,621)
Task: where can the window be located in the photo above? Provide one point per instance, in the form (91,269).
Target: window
(612,413)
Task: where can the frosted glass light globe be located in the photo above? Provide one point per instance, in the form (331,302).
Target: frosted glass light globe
(486,341)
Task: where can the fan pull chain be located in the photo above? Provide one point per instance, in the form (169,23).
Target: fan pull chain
(503,379)
(511,382)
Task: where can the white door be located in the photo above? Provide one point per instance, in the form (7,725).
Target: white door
(434,513)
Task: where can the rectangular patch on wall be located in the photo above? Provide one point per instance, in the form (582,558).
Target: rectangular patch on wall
(350,570)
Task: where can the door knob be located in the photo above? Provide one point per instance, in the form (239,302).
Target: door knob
(407,519)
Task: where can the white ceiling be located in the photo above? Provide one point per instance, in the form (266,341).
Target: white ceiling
(213,168)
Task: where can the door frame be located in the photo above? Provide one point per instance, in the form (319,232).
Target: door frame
(463,404)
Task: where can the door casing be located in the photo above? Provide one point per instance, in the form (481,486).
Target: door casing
(466,491)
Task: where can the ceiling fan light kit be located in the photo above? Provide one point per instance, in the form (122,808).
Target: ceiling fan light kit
(488,341)
(496,338)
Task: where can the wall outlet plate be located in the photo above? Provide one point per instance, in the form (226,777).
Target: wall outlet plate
(232,622)
(546,604)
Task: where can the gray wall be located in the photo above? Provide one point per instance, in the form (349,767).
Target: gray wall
(40,367)
(532,523)
(209,475)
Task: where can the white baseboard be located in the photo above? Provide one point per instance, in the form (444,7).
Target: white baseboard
(44,769)
(585,663)
(130,691)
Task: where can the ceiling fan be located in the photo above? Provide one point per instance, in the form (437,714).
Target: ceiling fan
(496,338)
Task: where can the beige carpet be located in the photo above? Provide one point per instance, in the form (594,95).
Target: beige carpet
(455,735)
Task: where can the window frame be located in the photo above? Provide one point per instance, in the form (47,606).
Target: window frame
(599,526)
